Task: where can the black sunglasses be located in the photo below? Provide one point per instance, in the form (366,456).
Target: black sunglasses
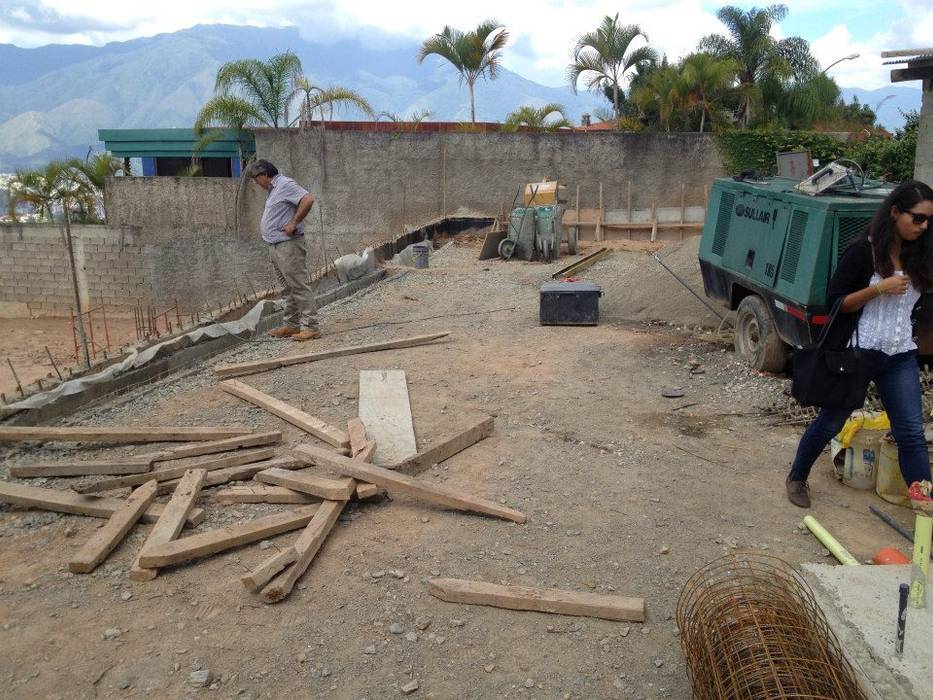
(919,218)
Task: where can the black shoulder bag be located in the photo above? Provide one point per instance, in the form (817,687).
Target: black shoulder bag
(830,378)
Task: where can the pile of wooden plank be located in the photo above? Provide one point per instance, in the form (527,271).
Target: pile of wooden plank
(215,457)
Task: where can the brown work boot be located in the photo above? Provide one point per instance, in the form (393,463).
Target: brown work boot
(284,332)
(798,493)
(307,334)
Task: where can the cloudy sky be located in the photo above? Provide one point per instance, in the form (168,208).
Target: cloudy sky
(542,30)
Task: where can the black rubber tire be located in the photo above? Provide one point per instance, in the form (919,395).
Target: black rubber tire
(506,248)
(571,240)
(756,338)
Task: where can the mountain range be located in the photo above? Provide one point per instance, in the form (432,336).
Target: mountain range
(54,98)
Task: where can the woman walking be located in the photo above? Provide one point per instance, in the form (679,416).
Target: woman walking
(879,280)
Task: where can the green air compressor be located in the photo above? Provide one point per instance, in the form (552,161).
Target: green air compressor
(768,250)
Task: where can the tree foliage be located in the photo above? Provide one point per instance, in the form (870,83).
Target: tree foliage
(604,56)
(75,186)
(550,117)
(474,54)
(766,66)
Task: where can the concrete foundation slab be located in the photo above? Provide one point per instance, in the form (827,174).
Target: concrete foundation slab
(860,603)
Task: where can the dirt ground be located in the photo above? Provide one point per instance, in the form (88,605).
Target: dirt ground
(23,341)
(625,491)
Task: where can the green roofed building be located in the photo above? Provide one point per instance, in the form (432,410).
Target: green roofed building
(170,151)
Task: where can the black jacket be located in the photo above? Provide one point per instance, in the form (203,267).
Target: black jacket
(853,273)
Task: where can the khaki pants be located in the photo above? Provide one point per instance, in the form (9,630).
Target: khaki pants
(291,271)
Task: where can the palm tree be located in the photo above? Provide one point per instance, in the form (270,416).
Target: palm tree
(708,79)
(313,98)
(604,57)
(537,118)
(475,54)
(91,174)
(665,92)
(252,92)
(760,57)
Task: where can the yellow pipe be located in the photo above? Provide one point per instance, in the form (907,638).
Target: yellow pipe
(830,542)
(923,533)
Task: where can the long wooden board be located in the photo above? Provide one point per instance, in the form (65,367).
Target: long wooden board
(269,437)
(402,483)
(194,546)
(306,547)
(295,416)
(88,468)
(386,412)
(242,368)
(261,493)
(116,436)
(103,542)
(172,520)
(62,501)
(241,473)
(209,464)
(446,448)
(329,489)
(546,600)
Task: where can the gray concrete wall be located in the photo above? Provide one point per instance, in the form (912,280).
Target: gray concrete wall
(123,266)
(373,185)
(923,162)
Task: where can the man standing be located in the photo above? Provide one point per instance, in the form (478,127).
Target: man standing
(287,204)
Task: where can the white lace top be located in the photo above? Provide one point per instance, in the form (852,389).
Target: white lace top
(885,321)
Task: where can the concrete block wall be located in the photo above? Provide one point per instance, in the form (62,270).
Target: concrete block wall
(373,185)
(119,266)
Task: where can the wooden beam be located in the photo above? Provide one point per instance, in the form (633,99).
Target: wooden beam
(261,493)
(89,468)
(581,264)
(62,501)
(117,436)
(297,417)
(209,464)
(306,546)
(447,448)
(274,564)
(367,491)
(924,72)
(103,542)
(271,437)
(265,572)
(329,489)
(395,482)
(546,600)
(385,410)
(241,473)
(222,539)
(172,520)
(242,368)
(357,433)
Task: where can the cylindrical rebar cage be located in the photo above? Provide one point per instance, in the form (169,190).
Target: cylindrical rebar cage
(751,629)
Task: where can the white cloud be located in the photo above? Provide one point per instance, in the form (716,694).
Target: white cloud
(546,29)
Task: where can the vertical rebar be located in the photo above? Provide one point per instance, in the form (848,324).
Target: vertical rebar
(52,360)
(19,387)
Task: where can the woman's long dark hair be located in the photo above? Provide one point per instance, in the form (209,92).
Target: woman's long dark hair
(916,256)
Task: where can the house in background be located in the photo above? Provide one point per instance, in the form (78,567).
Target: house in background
(172,151)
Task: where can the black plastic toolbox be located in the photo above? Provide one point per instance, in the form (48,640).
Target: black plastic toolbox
(569,304)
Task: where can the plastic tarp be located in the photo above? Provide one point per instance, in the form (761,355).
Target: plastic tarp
(243,327)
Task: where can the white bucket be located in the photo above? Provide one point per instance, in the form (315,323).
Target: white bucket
(857,465)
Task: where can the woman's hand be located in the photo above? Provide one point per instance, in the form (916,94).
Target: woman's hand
(895,284)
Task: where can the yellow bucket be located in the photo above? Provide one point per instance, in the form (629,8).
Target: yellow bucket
(890,484)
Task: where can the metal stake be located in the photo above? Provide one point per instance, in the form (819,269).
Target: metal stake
(19,387)
(52,360)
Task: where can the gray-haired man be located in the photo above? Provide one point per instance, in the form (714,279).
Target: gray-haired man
(287,204)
